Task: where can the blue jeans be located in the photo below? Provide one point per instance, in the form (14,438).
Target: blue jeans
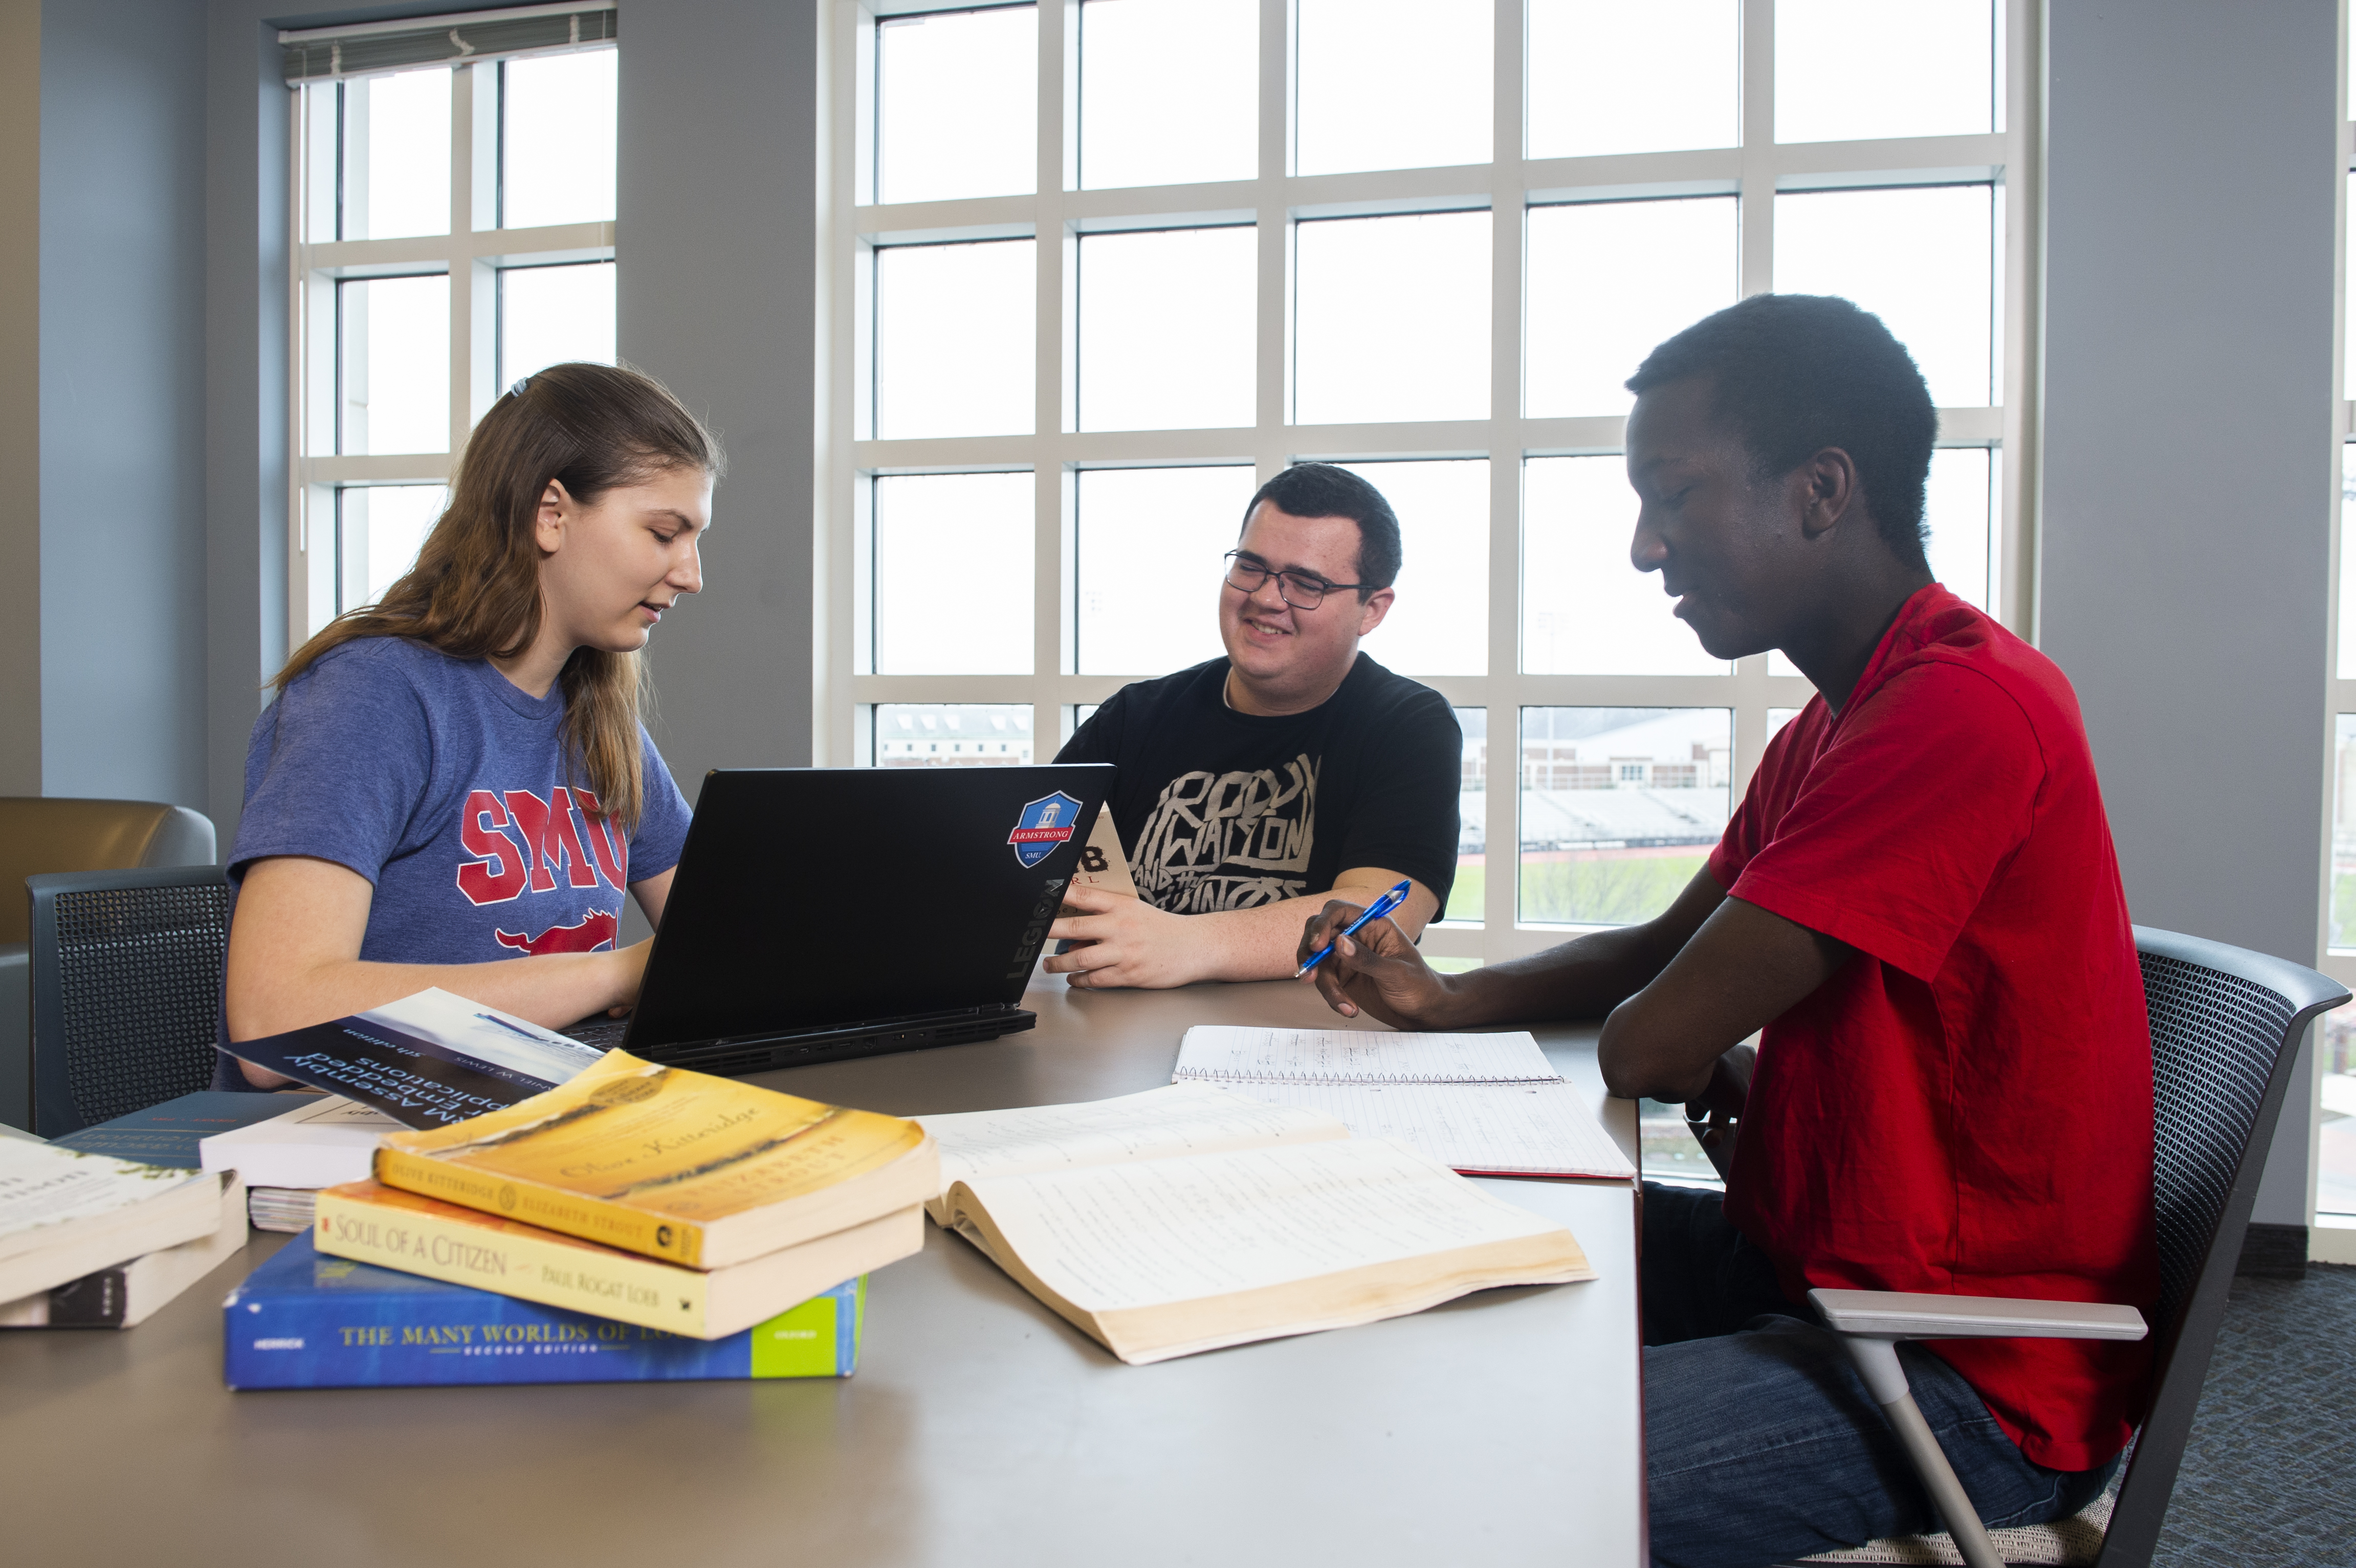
(1761,1443)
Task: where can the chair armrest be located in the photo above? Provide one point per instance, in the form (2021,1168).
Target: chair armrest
(1900,1315)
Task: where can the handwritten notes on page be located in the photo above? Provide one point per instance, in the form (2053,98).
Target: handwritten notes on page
(1484,1103)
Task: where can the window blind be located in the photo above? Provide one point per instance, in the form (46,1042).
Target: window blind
(324,54)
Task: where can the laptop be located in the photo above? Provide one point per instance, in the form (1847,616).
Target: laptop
(821,913)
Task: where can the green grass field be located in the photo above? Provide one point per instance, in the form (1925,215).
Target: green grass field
(1464,898)
(1609,891)
(2344,909)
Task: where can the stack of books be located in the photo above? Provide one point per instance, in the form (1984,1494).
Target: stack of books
(428,1060)
(661,1223)
(89,1240)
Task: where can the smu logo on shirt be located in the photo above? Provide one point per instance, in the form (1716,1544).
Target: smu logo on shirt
(592,931)
(524,843)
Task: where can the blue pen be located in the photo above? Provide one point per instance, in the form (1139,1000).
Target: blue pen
(1381,907)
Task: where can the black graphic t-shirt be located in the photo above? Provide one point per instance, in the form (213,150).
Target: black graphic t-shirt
(1224,810)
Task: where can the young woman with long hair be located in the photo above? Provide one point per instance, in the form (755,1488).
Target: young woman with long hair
(453,788)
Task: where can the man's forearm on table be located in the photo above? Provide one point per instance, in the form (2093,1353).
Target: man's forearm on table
(1585,977)
(1259,942)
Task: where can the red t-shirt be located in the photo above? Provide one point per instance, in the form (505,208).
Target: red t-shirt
(1965,1107)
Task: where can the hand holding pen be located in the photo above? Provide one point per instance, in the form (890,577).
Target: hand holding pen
(1376,911)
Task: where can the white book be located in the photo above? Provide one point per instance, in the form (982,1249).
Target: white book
(64,1214)
(1486,1104)
(325,1141)
(1182,1119)
(129,1293)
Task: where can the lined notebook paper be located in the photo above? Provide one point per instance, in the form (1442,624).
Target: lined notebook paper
(1486,1104)
(1225,1053)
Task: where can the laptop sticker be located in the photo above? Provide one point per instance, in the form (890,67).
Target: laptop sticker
(1044,823)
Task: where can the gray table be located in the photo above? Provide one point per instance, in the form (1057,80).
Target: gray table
(981,1429)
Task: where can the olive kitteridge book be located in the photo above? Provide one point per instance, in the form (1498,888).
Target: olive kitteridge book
(371,1223)
(687,1168)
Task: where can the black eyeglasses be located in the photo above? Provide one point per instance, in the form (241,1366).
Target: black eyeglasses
(1297,589)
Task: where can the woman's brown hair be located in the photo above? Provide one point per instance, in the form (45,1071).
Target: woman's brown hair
(475,591)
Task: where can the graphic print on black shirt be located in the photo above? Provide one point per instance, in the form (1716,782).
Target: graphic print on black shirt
(1221,810)
(1206,825)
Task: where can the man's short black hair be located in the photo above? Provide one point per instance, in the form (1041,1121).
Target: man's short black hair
(1324,490)
(1794,374)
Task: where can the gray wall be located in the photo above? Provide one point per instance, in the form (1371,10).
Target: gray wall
(245,330)
(2190,462)
(122,413)
(717,288)
(20,393)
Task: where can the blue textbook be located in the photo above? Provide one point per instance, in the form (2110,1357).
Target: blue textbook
(302,1320)
(168,1134)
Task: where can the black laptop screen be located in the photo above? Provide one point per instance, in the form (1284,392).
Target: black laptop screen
(812,898)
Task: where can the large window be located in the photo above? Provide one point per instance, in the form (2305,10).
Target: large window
(2334,1238)
(1097,269)
(453,232)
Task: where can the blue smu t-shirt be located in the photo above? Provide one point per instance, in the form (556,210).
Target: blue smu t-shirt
(445,785)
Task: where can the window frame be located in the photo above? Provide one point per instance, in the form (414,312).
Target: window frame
(851,229)
(474,252)
(2331,1236)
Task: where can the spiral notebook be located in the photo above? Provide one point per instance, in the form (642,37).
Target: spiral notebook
(1485,1104)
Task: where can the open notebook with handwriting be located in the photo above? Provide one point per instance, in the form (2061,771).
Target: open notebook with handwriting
(1484,1105)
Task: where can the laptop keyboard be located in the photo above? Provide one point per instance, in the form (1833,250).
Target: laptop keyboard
(603,1033)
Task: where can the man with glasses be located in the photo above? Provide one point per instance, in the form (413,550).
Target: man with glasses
(1255,786)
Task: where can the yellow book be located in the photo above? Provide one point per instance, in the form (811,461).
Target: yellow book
(375,1225)
(680,1166)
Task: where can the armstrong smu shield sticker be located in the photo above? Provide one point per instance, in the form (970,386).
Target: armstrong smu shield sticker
(1045,823)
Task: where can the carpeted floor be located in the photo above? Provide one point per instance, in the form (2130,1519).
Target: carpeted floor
(2269,1476)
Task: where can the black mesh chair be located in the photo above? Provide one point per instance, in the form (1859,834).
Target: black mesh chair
(126,970)
(2225,1028)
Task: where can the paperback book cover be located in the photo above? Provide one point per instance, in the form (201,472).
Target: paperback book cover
(374,1224)
(64,1213)
(304,1320)
(426,1061)
(169,1134)
(680,1165)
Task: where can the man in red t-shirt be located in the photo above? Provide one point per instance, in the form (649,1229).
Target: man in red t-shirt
(1919,906)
